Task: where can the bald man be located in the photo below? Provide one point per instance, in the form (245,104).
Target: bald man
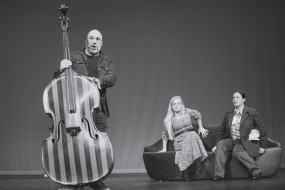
(99,68)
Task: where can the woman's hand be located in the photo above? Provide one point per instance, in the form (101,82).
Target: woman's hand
(162,150)
(202,131)
(164,145)
(214,149)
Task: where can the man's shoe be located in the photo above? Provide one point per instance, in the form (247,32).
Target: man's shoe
(217,178)
(99,186)
(256,177)
(256,174)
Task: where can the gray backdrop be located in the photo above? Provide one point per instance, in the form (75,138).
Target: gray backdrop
(201,50)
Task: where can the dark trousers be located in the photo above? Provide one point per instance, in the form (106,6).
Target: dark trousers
(238,152)
(100,120)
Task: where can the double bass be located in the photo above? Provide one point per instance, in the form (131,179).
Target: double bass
(76,152)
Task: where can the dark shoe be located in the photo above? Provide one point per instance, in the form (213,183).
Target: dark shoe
(217,178)
(99,186)
(198,164)
(256,173)
(256,177)
(185,174)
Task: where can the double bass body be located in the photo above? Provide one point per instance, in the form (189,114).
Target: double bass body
(76,153)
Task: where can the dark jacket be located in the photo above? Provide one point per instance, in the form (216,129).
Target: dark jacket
(250,119)
(105,71)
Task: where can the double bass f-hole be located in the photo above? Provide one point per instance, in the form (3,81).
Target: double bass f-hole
(73,131)
(89,129)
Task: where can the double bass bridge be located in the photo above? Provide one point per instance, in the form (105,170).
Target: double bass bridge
(73,131)
(72,125)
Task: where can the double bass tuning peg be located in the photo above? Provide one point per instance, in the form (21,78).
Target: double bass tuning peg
(64,19)
(63,9)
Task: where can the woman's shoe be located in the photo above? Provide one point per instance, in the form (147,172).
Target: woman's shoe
(185,174)
(198,164)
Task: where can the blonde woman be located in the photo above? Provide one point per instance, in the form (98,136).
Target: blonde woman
(187,143)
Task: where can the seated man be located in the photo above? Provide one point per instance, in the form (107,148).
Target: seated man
(233,135)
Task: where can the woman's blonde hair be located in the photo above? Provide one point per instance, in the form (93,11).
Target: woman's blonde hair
(167,121)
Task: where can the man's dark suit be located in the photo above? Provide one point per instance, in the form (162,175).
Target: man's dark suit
(244,150)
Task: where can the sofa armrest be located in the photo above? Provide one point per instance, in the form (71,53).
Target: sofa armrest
(272,143)
(270,161)
(157,146)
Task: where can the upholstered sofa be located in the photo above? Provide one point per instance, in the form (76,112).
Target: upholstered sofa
(161,166)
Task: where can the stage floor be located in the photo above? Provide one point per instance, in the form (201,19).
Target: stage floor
(143,182)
